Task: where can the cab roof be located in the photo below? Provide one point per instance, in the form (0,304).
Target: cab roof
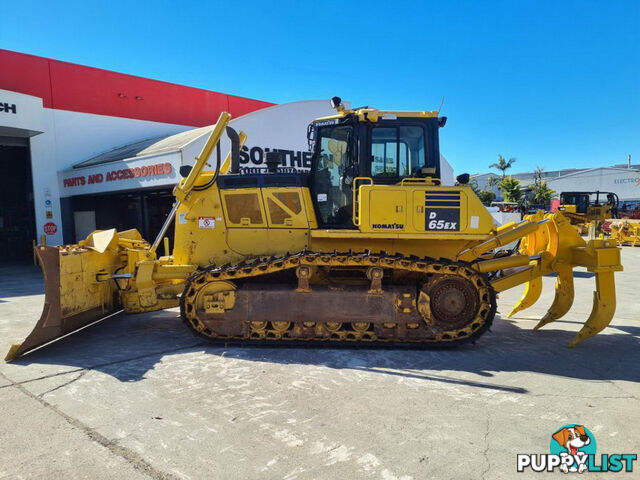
(367,114)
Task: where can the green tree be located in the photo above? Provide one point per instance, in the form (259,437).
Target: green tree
(493,181)
(537,175)
(503,165)
(473,183)
(510,188)
(542,194)
(486,196)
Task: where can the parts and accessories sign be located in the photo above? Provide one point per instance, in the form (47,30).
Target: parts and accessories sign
(146,171)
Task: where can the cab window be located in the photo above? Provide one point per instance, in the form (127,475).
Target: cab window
(397,151)
(330,183)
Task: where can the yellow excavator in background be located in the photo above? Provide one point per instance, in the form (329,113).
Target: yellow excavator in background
(370,247)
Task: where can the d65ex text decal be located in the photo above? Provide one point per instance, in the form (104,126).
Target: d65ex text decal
(442,219)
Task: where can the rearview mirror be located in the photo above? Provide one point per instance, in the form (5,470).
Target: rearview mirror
(463,179)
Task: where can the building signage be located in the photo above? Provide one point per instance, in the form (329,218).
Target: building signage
(50,228)
(8,107)
(115,175)
(48,204)
(624,182)
(252,159)
(20,115)
(635,180)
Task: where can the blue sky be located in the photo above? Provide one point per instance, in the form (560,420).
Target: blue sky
(552,83)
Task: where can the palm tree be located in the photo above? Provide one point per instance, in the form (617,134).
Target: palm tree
(510,188)
(542,194)
(537,175)
(492,182)
(503,165)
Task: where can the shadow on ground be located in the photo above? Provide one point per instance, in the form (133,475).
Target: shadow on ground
(20,281)
(128,346)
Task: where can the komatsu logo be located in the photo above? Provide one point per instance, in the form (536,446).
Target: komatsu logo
(388,226)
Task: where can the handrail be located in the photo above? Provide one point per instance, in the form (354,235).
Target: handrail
(354,192)
(421,181)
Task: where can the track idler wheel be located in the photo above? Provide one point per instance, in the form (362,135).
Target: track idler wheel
(207,298)
(448,301)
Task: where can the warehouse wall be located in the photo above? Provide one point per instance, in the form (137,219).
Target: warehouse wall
(86,111)
(78,88)
(624,182)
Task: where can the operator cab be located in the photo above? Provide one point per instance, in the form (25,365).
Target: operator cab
(384,146)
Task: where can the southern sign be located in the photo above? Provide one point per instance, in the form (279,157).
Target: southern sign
(252,159)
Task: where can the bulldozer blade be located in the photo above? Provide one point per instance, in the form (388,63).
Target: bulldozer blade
(604,306)
(530,296)
(75,296)
(564,297)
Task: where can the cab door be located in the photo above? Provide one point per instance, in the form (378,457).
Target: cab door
(332,176)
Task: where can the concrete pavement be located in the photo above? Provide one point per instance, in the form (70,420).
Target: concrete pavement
(140,397)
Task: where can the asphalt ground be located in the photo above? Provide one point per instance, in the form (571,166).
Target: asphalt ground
(138,397)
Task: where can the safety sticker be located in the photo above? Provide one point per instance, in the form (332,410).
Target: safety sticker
(206,222)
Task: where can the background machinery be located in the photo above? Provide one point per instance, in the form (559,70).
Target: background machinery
(625,232)
(370,248)
(583,208)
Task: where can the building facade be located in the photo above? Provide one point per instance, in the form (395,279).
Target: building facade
(55,114)
(83,148)
(624,181)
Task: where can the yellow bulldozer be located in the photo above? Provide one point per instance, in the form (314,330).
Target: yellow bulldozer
(586,209)
(369,247)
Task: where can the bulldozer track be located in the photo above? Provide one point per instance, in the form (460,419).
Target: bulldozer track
(331,333)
